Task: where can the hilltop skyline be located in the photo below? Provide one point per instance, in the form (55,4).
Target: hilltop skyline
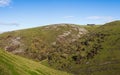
(21,14)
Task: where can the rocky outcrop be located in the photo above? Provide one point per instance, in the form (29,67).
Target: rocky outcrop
(14,45)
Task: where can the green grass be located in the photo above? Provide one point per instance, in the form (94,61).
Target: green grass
(96,53)
(36,42)
(14,65)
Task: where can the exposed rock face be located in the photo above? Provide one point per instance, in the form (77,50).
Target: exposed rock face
(68,36)
(14,45)
(72,35)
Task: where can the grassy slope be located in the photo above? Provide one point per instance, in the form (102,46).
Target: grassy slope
(97,53)
(15,65)
(107,61)
(99,57)
(47,33)
(109,57)
(35,42)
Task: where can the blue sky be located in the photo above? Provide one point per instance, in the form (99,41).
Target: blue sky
(21,14)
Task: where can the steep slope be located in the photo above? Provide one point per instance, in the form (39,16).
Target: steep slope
(96,53)
(35,43)
(15,65)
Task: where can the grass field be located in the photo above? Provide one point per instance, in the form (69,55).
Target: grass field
(14,65)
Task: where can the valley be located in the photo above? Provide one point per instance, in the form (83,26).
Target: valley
(72,49)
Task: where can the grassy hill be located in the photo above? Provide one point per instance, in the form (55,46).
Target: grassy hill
(36,42)
(14,65)
(96,53)
(81,50)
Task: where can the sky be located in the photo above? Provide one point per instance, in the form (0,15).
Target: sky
(22,14)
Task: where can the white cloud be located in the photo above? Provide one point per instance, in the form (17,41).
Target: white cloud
(94,17)
(9,24)
(99,17)
(67,17)
(4,3)
(109,18)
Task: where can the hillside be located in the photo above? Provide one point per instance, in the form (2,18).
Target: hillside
(96,53)
(80,50)
(14,65)
(35,43)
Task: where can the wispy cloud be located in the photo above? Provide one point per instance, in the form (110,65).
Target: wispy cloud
(99,17)
(67,17)
(9,24)
(94,17)
(103,18)
(4,3)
